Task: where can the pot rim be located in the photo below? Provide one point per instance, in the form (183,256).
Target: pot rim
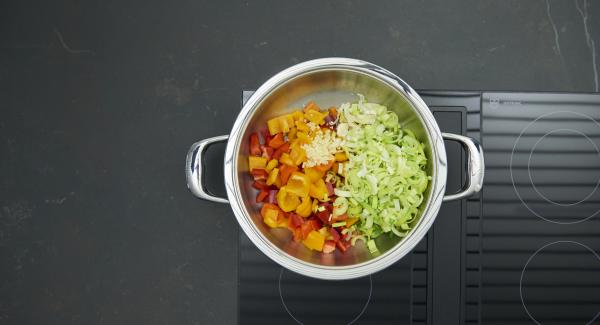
(438,182)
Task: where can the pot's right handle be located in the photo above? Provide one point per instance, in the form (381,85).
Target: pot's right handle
(475,167)
(194,170)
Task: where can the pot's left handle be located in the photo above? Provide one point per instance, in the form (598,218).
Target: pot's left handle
(194,169)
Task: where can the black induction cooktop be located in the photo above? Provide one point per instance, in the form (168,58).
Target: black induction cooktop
(523,251)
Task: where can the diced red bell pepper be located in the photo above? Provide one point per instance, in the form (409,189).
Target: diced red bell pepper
(329,246)
(342,245)
(335,234)
(276,141)
(284,148)
(308,226)
(259,174)
(267,152)
(254,145)
(295,220)
(262,195)
(260,185)
(266,136)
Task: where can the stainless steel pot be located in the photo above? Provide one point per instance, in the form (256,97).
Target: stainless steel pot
(330,82)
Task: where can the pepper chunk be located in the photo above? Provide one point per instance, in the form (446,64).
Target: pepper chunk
(270,214)
(318,190)
(255,145)
(314,241)
(286,200)
(298,184)
(305,208)
(256,163)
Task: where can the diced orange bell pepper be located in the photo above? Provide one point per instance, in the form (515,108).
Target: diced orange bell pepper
(256,163)
(318,190)
(285,171)
(286,200)
(325,167)
(313,174)
(311,106)
(351,221)
(276,141)
(286,160)
(305,208)
(270,214)
(333,112)
(298,184)
(314,241)
(273,175)
(298,235)
(282,222)
(315,116)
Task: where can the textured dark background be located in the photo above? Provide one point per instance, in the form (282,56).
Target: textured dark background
(99,101)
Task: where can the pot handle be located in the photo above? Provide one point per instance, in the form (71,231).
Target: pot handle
(475,167)
(194,169)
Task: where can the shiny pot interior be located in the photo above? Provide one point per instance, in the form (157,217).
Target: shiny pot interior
(327,87)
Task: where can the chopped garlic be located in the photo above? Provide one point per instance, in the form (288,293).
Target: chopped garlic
(322,147)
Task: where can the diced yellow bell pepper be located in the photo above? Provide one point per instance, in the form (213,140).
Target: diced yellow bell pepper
(273,176)
(298,115)
(318,190)
(315,205)
(324,232)
(271,164)
(286,160)
(302,137)
(286,200)
(301,126)
(256,162)
(298,184)
(298,155)
(304,209)
(273,125)
(315,117)
(340,156)
(285,123)
(292,134)
(314,241)
(313,174)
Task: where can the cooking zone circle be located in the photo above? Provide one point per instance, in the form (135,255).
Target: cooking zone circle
(346,300)
(552,284)
(569,170)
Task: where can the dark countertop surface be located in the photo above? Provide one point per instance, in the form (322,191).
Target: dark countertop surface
(100,101)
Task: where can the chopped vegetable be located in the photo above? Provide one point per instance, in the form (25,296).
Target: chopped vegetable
(386,174)
(337,176)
